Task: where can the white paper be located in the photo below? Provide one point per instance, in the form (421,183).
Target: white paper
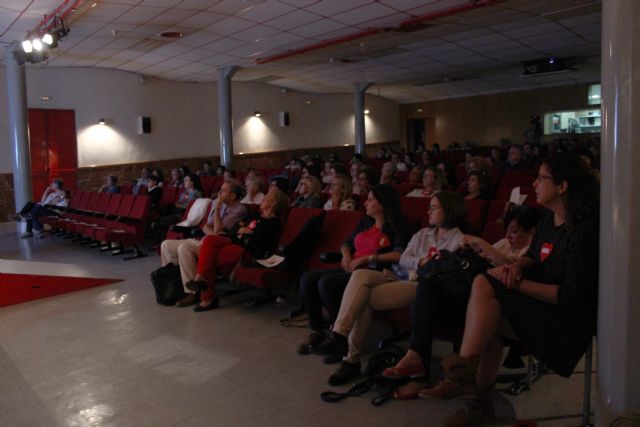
(270,262)
(516,197)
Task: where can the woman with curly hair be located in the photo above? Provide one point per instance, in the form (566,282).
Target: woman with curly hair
(548,298)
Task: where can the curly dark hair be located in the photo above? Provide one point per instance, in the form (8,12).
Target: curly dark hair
(526,216)
(388,197)
(582,198)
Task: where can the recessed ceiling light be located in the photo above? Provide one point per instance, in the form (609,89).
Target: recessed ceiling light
(419,110)
(308,102)
(46,98)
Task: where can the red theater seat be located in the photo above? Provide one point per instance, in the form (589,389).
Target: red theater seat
(269,277)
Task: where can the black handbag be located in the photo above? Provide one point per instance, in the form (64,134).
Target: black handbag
(167,284)
(463,260)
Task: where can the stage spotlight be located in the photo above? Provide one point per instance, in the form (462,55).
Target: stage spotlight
(47,39)
(27,47)
(37,45)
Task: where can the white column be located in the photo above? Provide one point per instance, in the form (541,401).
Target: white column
(618,355)
(18,126)
(360,89)
(224,114)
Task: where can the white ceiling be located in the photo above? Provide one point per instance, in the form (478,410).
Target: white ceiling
(475,52)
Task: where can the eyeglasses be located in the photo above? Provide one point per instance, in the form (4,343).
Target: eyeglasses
(541,177)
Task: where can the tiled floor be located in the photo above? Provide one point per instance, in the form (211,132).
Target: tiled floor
(110,356)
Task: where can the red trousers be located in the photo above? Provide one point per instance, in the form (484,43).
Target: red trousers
(217,254)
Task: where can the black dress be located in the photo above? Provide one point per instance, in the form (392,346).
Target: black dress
(557,334)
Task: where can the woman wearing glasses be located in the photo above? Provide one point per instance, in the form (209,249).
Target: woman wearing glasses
(548,298)
(369,290)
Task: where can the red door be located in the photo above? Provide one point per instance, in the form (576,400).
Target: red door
(54,153)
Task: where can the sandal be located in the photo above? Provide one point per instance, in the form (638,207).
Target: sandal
(413,372)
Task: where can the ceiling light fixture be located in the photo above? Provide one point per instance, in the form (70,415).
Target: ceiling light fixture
(257,113)
(366,111)
(101,122)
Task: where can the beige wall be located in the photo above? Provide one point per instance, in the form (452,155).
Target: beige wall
(489,118)
(185,116)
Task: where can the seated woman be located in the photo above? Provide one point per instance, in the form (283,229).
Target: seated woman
(171,214)
(154,191)
(176,178)
(258,236)
(308,193)
(415,175)
(388,173)
(367,179)
(340,195)
(374,290)
(376,242)
(254,191)
(548,298)
(110,186)
(478,186)
(432,306)
(53,196)
(433,181)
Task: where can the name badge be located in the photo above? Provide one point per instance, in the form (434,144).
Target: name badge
(433,251)
(545,251)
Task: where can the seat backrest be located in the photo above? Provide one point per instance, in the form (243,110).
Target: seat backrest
(476,212)
(125,205)
(84,200)
(516,178)
(207,184)
(493,231)
(404,188)
(103,201)
(75,200)
(140,208)
(336,228)
(114,203)
(126,188)
(496,210)
(92,205)
(414,210)
(296,221)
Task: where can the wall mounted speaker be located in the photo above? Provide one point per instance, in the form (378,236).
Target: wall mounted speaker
(283,119)
(144,125)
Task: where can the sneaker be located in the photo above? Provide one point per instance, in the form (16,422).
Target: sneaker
(41,234)
(476,412)
(26,234)
(335,345)
(346,373)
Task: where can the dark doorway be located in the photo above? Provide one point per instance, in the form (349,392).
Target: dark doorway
(416,133)
(54,152)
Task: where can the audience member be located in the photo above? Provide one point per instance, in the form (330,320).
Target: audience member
(370,290)
(340,195)
(154,191)
(53,196)
(375,243)
(110,186)
(388,173)
(254,191)
(433,182)
(308,193)
(258,236)
(224,213)
(548,297)
(478,186)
